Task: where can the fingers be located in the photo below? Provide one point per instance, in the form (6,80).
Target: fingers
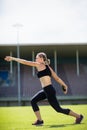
(8,58)
(65,92)
(64,88)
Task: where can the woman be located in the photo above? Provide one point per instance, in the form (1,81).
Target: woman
(45,72)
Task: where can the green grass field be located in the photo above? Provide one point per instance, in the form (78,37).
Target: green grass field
(21,118)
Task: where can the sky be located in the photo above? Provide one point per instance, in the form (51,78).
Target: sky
(43,21)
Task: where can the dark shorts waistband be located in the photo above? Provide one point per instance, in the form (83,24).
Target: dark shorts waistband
(47,86)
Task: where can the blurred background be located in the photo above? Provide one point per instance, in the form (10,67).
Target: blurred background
(55,27)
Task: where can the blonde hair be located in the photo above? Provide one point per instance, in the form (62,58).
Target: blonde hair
(44,56)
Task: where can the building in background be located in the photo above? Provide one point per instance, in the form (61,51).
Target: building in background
(69,61)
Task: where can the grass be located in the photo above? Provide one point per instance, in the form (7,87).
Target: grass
(21,118)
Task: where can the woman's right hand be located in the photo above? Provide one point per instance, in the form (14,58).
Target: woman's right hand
(64,88)
(8,58)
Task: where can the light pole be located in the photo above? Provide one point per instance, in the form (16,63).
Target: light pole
(18,26)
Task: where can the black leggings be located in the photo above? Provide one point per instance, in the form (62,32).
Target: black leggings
(49,93)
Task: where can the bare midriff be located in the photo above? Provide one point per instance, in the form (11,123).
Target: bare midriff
(45,81)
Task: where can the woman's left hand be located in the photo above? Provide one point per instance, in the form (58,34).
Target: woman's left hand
(8,58)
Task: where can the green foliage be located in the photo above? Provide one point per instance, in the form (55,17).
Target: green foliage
(21,118)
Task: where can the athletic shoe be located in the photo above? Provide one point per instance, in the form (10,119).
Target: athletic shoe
(78,120)
(38,122)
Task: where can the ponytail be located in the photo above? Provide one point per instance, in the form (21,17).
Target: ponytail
(47,61)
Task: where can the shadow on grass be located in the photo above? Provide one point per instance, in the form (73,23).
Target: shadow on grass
(62,125)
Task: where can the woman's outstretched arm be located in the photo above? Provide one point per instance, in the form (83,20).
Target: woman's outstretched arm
(22,61)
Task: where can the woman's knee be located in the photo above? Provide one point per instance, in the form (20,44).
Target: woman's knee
(32,102)
(34,105)
(64,111)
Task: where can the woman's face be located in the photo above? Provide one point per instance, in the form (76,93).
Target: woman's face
(39,59)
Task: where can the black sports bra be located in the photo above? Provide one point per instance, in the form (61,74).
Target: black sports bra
(44,72)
